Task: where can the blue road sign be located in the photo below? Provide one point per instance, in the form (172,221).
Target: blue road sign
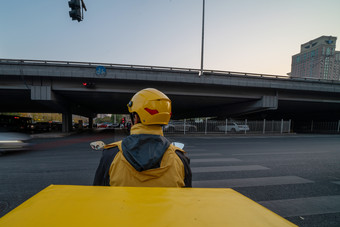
(100,70)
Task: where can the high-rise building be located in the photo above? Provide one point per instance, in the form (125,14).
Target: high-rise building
(317,59)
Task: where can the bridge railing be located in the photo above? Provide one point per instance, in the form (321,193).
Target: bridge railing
(94,64)
(162,68)
(232,73)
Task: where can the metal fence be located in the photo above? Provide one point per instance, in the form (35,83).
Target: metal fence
(208,126)
(317,126)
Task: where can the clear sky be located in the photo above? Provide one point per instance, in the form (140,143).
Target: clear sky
(257,36)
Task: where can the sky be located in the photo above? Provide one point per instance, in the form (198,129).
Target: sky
(254,36)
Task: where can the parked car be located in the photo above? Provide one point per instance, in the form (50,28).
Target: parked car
(232,127)
(179,126)
(56,126)
(108,125)
(102,125)
(41,127)
(113,125)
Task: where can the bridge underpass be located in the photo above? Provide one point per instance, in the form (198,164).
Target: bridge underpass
(39,86)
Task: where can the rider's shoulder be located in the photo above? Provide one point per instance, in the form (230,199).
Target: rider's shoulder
(113,145)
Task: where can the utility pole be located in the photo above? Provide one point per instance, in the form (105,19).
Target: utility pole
(202,49)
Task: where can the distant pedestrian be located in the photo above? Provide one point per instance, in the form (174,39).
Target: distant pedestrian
(128,127)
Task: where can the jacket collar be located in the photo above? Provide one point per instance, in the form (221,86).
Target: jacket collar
(146,129)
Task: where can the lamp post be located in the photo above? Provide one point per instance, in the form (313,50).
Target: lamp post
(202,49)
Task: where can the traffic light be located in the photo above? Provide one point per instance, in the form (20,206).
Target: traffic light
(89,84)
(75,13)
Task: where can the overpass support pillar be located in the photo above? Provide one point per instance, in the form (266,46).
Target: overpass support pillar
(67,122)
(270,102)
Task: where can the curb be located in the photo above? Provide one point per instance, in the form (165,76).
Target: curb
(227,135)
(52,135)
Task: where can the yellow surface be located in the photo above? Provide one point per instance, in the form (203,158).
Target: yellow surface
(61,205)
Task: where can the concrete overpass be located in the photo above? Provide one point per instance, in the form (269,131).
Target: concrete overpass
(56,86)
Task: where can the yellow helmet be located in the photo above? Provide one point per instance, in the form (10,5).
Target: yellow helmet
(152,106)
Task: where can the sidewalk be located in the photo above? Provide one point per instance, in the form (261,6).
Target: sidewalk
(227,135)
(76,132)
(119,132)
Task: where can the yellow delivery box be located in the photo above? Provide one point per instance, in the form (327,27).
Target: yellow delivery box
(65,205)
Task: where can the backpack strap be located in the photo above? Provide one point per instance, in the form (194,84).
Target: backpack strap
(174,148)
(186,163)
(102,176)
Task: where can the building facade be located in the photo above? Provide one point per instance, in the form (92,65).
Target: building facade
(317,59)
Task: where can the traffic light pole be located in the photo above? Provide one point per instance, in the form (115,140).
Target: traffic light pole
(83,6)
(202,49)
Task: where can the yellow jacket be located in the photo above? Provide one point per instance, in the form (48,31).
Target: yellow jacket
(146,159)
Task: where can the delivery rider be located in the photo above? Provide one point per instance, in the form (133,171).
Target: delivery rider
(145,158)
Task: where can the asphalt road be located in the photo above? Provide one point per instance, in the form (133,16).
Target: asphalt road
(297,177)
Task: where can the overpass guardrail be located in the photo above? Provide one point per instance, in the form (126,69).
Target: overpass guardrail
(157,68)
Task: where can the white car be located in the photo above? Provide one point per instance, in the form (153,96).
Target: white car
(233,127)
(179,127)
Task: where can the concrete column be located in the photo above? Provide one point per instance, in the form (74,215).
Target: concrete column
(67,122)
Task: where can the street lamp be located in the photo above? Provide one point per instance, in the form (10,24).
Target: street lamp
(202,49)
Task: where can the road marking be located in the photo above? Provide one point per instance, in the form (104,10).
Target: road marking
(214,160)
(211,169)
(336,182)
(205,154)
(251,182)
(304,206)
